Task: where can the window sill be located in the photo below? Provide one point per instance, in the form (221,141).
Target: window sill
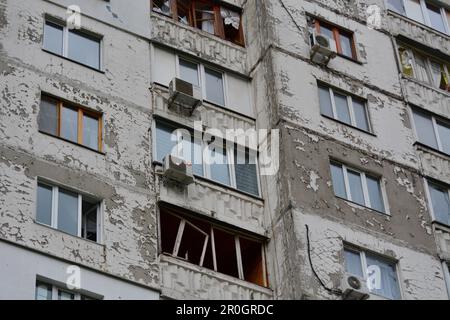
(348,125)
(422,25)
(204,33)
(349,58)
(364,207)
(218,184)
(68,234)
(424,147)
(74,61)
(73,143)
(441,226)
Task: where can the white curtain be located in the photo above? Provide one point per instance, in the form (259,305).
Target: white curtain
(230,18)
(208,21)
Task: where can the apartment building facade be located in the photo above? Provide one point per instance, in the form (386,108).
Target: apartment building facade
(358,147)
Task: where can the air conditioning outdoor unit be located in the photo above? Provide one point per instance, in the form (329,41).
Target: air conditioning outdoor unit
(178,170)
(184,95)
(323,49)
(354,288)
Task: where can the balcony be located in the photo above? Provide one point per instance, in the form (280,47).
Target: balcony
(427,97)
(401,25)
(198,43)
(181,280)
(434,163)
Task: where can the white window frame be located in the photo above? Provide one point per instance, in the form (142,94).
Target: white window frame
(211,238)
(434,121)
(350,107)
(65,42)
(367,203)
(55,290)
(54,214)
(363,260)
(424,11)
(202,76)
(430,201)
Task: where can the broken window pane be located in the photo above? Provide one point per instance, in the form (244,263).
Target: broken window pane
(325,101)
(353,263)
(337,175)
(53,38)
(436,19)
(214,87)
(355,184)
(162,6)
(89,219)
(48,116)
(183,9)
(342,110)
(169,231)
(226,253)
(440,202)
(360,112)
(189,72)
(84,49)
(69,124)
(68,212)
(252,261)
(375,194)
(193,244)
(444,135)
(43,291)
(44,204)
(425,129)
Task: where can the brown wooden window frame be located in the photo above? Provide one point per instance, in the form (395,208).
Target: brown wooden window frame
(219,26)
(337,31)
(211,241)
(81,111)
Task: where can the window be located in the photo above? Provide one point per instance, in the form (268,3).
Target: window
(207,15)
(343,107)
(73,44)
(45,291)
(439,196)
(67,211)
(212,81)
(432,131)
(358,187)
(341,41)
(379,272)
(211,158)
(70,122)
(212,247)
(423,12)
(424,68)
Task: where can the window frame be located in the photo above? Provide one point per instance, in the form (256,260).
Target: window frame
(434,120)
(65,42)
(219,30)
(81,111)
(54,214)
(202,76)
(210,237)
(337,31)
(230,148)
(364,185)
(412,52)
(350,105)
(427,182)
(363,260)
(425,15)
(55,289)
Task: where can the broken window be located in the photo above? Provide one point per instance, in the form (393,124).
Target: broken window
(341,41)
(344,107)
(210,16)
(211,157)
(432,131)
(70,122)
(209,246)
(68,211)
(379,272)
(76,45)
(357,186)
(45,291)
(440,202)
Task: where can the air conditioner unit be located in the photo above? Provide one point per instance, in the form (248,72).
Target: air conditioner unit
(354,288)
(178,170)
(184,95)
(323,49)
